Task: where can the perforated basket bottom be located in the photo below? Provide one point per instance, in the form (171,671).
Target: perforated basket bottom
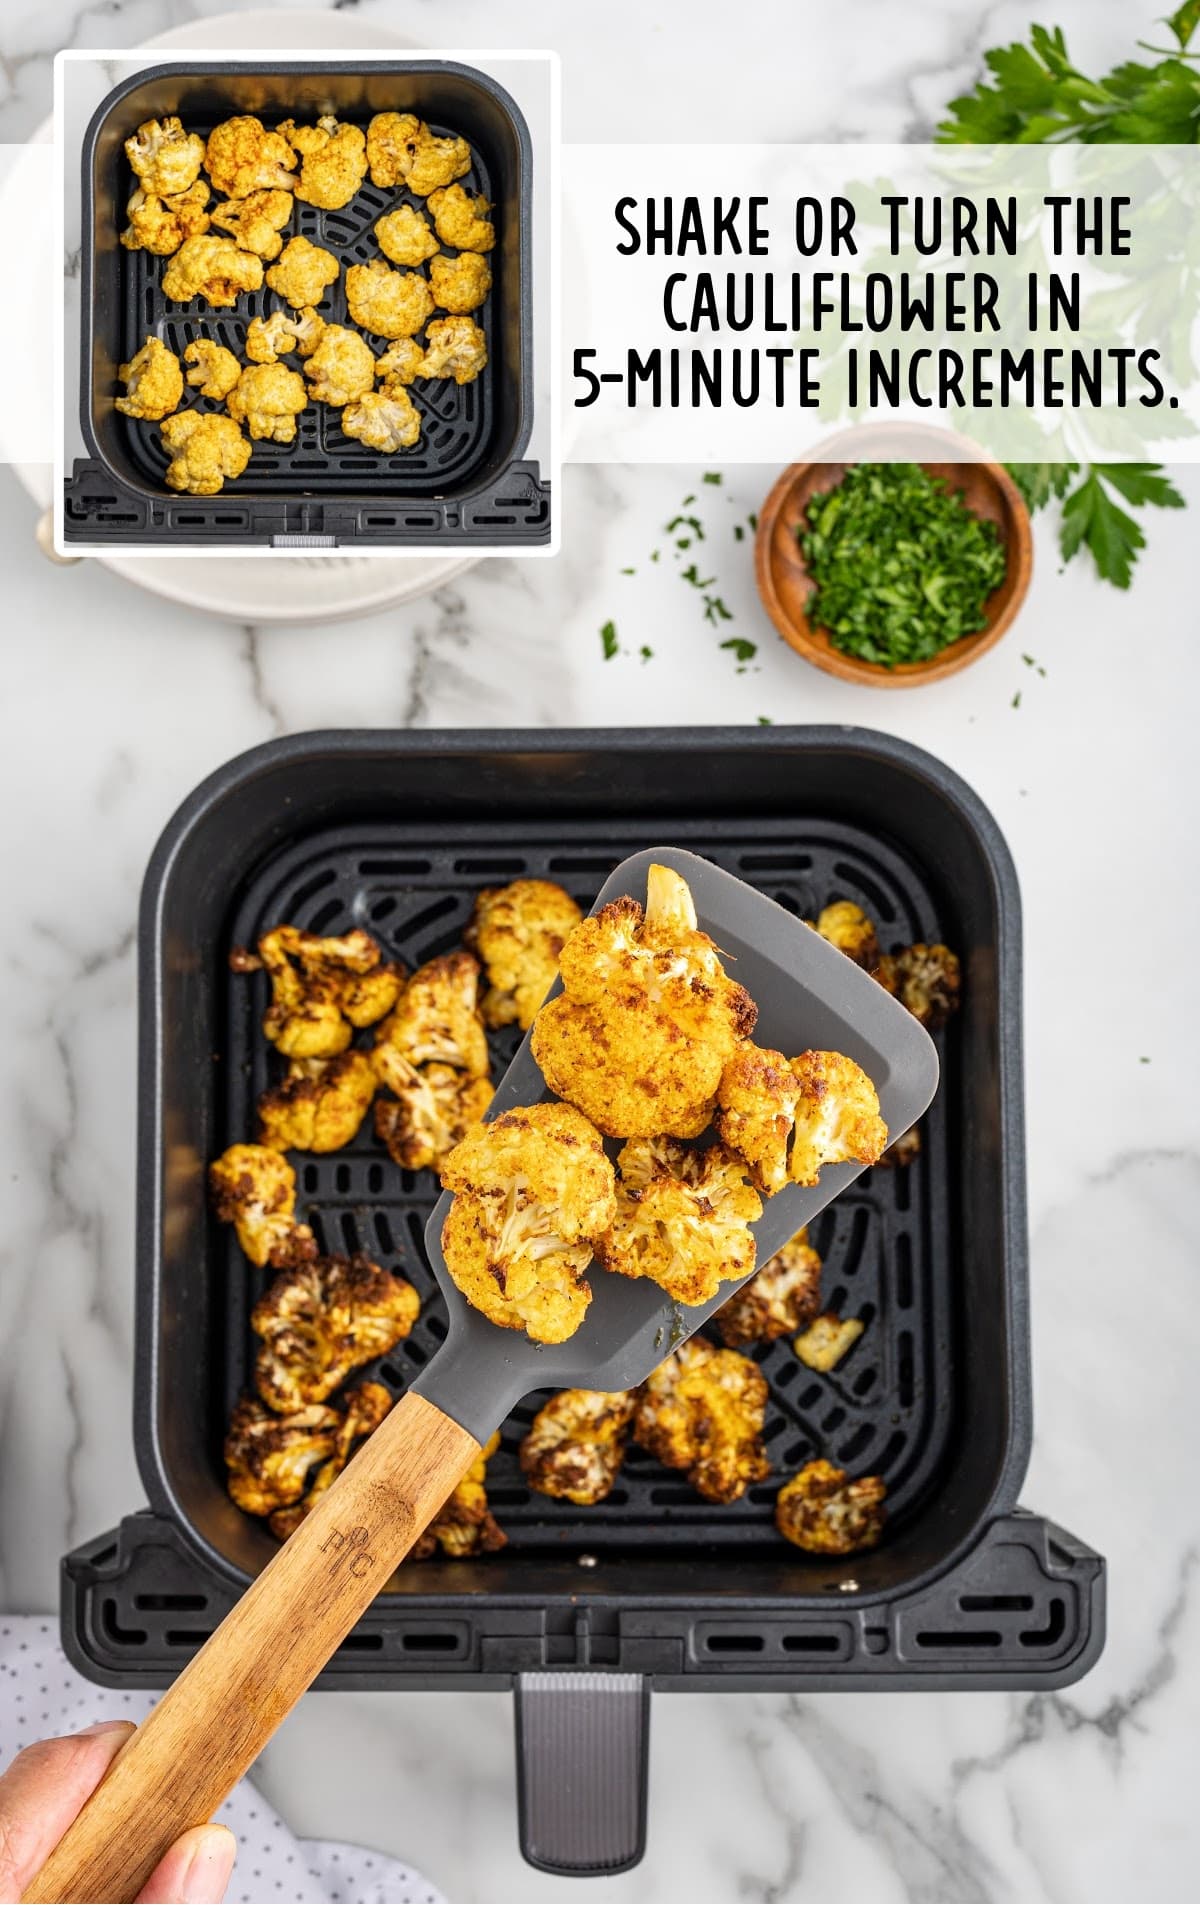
(887,1244)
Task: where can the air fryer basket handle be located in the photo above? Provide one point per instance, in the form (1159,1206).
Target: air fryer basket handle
(582,1760)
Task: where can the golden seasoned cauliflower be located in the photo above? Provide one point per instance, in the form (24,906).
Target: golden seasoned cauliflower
(154,382)
(464,1524)
(160,225)
(436,1019)
(454,347)
(257,220)
(847,927)
(204,450)
(782,1297)
(303,272)
(213,369)
(322,990)
(333,161)
(703,1411)
(391,141)
(401,362)
(788,1118)
(683,1219)
(462,220)
(321,1320)
(364,1410)
(270,1458)
(435,162)
(166,159)
(576,1445)
(211,268)
(254,1189)
(541,1289)
(434,1107)
(404,236)
(243,157)
(342,368)
(390,303)
(270,338)
(519,931)
(927,980)
(823,1512)
(319,1106)
(460,284)
(633,1073)
(826,1340)
(386,420)
(268,398)
(903,1150)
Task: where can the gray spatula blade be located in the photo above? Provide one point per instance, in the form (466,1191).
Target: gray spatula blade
(809,996)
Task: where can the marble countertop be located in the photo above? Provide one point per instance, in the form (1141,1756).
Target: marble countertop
(116,704)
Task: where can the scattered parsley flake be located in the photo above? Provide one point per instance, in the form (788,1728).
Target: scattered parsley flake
(629,572)
(739,534)
(1016,700)
(608,636)
(654,554)
(742,649)
(765,721)
(1143,1061)
(646,652)
(689,498)
(752,519)
(692,574)
(713,476)
(715,610)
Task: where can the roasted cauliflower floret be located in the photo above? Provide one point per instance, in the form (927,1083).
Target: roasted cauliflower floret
(460,284)
(268,398)
(256,221)
(333,161)
(154,382)
(322,990)
(243,157)
(542,1289)
(321,1320)
(270,1457)
(433,1108)
(386,420)
(823,1512)
(519,931)
(401,362)
(270,338)
(404,236)
(631,1071)
(454,347)
(342,368)
(436,1019)
(254,1189)
(788,1118)
(464,1525)
(391,142)
(847,927)
(435,162)
(784,1296)
(462,220)
(826,1340)
(683,1219)
(213,369)
(703,1411)
(160,225)
(204,450)
(576,1445)
(902,1150)
(927,980)
(212,268)
(166,159)
(319,1106)
(390,303)
(365,1408)
(303,273)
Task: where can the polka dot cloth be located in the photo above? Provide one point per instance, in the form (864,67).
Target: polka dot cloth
(41,1694)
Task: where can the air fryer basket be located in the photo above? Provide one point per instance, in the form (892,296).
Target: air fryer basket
(398,832)
(463,482)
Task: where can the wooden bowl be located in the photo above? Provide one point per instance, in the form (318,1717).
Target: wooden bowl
(785,584)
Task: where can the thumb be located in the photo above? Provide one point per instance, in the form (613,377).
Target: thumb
(195,1871)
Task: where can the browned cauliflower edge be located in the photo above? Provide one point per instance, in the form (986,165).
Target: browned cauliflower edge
(822,1511)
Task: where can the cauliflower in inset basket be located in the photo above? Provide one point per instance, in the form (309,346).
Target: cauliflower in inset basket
(576,1445)
(391,141)
(703,1411)
(214,370)
(389,303)
(364,1410)
(160,224)
(270,1457)
(464,1525)
(320,1105)
(788,1118)
(683,1219)
(847,927)
(401,363)
(342,368)
(433,1108)
(823,1512)
(460,284)
(166,159)
(268,398)
(462,220)
(303,272)
(257,220)
(321,1320)
(212,268)
(204,450)
(436,1019)
(435,162)
(823,1344)
(243,157)
(784,1296)
(386,420)
(519,931)
(927,980)
(454,347)
(333,161)
(270,338)
(254,1189)
(154,382)
(322,990)
(404,236)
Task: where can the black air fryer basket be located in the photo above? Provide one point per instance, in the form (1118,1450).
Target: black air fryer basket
(463,484)
(586,1610)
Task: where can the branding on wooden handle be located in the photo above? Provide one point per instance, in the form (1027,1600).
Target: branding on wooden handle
(348,1549)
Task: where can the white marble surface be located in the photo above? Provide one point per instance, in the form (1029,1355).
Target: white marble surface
(114,705)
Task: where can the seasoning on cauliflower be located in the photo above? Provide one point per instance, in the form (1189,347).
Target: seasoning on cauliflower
(333,161)
(303,272)
(401,362)
(823,1344)
(211,268)
(391,141)
(364,1410)
(434,162)
(542,1292)
(254,1189)
(927,980)
(433,1108)
(683,1219)
(902,1150)
(268,398)
(390,303)
(631,1071)
(519,931)
(204,450)
(454,347)
(270,1458)
(788,1118)
(257,220)
(213,369)
(322,990)
(166,159)
(319,1321)
(847,927)
(319,1106)
(270,338)
(154,382)
(823,1512)
(243,157)
(160,225)
(464,1524)
(404,236)
(342,368)
(703,1411)
(784,1296)
(460,284)
(576,1445)
(462,220)
(386,420)
(436,1019)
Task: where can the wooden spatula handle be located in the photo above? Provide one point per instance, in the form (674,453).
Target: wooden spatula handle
(213,1722)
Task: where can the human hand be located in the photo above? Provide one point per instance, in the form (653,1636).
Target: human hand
(44,1790)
